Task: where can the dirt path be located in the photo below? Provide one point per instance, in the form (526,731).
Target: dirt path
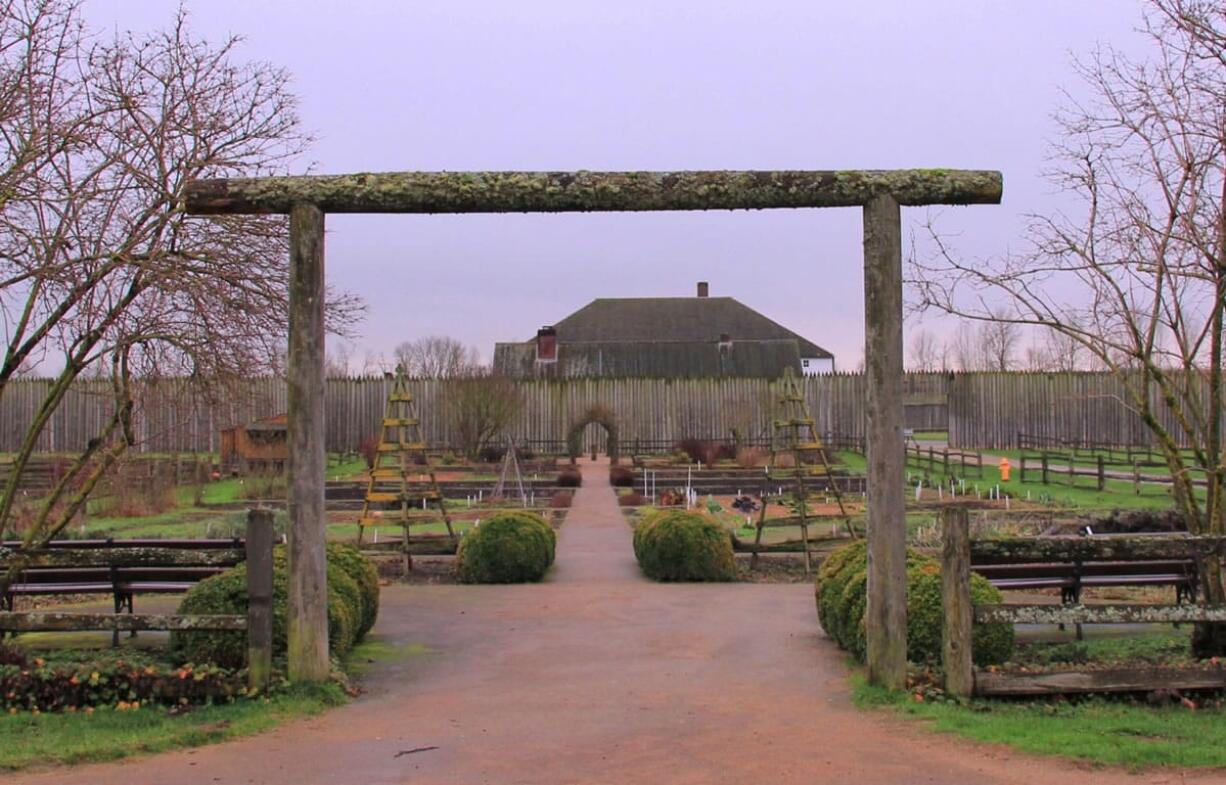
(599,676)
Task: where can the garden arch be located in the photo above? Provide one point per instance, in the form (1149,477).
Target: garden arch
(605,418)
(879,194)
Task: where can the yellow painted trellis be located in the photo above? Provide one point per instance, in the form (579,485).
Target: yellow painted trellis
(795,434)
(401,452)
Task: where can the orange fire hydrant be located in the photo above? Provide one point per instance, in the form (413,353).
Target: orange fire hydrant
(1004,469)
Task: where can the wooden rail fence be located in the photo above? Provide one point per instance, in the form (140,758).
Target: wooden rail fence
(256,551)
(959,552)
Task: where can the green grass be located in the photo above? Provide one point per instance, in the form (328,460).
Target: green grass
(1094,731)
(1162,646)
(107,734)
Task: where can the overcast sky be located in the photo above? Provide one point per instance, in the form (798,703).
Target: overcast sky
(645,84)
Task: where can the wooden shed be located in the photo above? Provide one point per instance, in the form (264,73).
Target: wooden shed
(258,446)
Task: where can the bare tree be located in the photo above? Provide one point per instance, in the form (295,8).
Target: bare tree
(98,264)
(927,353)
(965,349)
(998,341)
(436,357)
(1137,276)
(481,405)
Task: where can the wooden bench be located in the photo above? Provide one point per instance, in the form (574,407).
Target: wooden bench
(167,567)
(1074,576)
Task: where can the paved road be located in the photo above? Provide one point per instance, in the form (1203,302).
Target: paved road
(598,676)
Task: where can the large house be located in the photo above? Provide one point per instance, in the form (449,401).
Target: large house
(663,337)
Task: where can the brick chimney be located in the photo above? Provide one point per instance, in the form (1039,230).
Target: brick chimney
(547,344)
(703,289)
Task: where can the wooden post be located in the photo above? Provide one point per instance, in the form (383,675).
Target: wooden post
(307,614)
(1102,476)
(259,598)
(1043,466)
(956,601)
(886,614)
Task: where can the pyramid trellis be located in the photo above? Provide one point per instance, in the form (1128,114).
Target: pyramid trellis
(511,471)
(795,434)
(391,496)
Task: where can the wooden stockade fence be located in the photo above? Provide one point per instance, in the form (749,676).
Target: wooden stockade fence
(980,410)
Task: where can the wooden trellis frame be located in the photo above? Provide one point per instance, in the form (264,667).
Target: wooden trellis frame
(879,193)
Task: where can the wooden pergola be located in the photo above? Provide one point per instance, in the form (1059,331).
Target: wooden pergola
(879,193)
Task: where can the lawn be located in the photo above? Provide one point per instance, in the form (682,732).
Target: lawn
(1098,731)
(1117,731)
(109,734)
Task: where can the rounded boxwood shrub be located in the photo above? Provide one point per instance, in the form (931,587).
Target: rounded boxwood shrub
(842,590)
(352,607)
(364,573)
(511,547)
(684,546)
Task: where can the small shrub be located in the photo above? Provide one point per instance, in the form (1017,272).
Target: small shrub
(633,499)
(353,604)
(621,477)
(369,449)
(492,453)
(697,450)
(569,478)
(561,500)
(511,547)
(842,592)
(684,546)
(751,457)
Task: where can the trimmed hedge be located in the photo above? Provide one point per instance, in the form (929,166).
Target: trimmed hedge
(842,593)
(353,606)
(684,546)
(511,547)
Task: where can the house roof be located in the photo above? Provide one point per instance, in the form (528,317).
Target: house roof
(675,319)
(653,358)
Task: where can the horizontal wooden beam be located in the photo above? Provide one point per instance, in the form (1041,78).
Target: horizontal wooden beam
(568,192)
(46,621)
(1114,680)
(1098,614)
(1068,549)
(124,557)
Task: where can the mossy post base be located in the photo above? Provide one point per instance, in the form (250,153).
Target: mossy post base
(307,621)
(957,628)
(886,615)
(259,599)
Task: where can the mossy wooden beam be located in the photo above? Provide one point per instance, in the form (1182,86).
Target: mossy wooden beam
(566,192)
(1098,614)
(50,621)
(1060,549)
(124,557)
